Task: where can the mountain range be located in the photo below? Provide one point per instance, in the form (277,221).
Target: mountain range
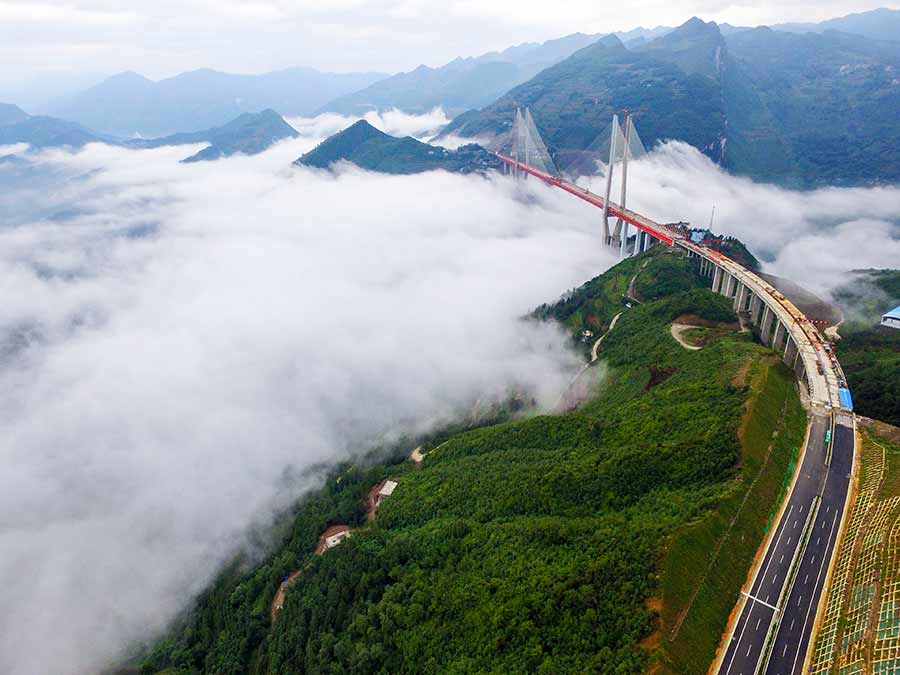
(797,109)
(249,133)
(129,104)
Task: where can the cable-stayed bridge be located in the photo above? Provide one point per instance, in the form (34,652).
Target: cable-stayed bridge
(773,627)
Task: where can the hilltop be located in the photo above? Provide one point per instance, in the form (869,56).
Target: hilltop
(249,133)
(367,147)
(536,543)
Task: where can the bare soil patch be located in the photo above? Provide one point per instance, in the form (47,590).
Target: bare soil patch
(658,376)
(694,320)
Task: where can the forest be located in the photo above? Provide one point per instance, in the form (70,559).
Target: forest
(532,542)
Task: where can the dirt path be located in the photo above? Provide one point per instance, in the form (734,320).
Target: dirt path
(630,292)
(612,324)
(677,329)
(416,456)
(278,601)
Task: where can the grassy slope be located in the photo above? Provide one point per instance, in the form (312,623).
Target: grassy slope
(532,545)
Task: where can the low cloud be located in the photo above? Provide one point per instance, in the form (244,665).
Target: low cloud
(812,237)
(179,344)
(394,122)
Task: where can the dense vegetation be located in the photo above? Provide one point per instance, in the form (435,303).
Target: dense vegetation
(535,544)
(369,148)
(776,106)
(869,353)
(871,362)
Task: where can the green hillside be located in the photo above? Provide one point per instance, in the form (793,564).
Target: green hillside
(800,110)
(543,543)
(367,147)
(869,353)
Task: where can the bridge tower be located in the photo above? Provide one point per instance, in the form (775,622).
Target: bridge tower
(624,144)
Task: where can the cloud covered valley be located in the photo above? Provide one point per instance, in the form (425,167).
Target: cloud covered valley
(182,344)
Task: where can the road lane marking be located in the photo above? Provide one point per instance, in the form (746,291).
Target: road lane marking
(782,559)
(762,602)
(805,579)
(758,621)
(795,525)
(818,576)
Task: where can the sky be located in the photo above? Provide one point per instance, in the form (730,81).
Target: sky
(58,46)
(181,345)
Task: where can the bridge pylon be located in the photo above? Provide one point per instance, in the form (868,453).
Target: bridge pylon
(624,144)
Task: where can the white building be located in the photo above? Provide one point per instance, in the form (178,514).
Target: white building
(336,538)
(892,318)
(386,491)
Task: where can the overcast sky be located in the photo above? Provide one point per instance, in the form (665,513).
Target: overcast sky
(63,43)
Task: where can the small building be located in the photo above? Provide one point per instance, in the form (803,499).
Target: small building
(387,489)
(336,538)
(892,318)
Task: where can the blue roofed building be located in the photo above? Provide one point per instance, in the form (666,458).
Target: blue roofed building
(892,318)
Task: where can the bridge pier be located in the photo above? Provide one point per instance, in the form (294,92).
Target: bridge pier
(791,353)
(765,324)
(740,297)
(717,279)
(756,305)
(777,335)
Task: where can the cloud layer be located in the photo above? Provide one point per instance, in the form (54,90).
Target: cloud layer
(180,343)
(812,237)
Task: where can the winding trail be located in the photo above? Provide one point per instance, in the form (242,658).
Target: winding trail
(677,329)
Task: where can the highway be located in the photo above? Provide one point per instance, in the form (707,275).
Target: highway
(806,533)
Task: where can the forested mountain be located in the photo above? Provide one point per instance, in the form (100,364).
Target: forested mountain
(801,110)
(249,134)
(128,104)
(535,544)
(369,148)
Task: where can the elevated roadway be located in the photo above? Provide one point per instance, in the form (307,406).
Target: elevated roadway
(776,611)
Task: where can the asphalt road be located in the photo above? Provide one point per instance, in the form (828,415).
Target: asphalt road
(815,480)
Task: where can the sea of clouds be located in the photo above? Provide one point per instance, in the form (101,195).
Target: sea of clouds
(181,343)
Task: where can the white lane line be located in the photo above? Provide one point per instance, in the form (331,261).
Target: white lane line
(792,624)
(758,621)
(805,579)
(795,525)
(782,559)
(766,602)
(819,576)
(764,572)
(789,541)
(799,601)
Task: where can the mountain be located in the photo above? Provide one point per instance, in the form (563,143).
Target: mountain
(129,104)
(367,147)
(38,131)
(813,109)
(462,83)
(776,106)
(10,114)
(249,133)
(878,24)
(572,102)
